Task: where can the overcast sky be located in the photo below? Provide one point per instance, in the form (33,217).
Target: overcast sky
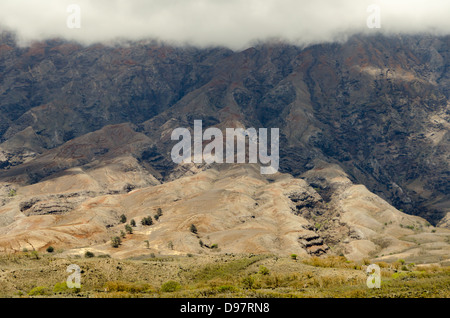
(232,23)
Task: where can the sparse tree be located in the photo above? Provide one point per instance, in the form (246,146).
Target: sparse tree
(50,249)
(116,241)
(170,245)
(129,229)
(193,229)
(133,223)
(122,234)
(123,218)
(147,243)
(88,254)
(158,214)
(147,221)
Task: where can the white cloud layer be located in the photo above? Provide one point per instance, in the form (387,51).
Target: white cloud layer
(232,23)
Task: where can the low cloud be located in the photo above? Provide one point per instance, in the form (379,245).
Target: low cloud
(232,23)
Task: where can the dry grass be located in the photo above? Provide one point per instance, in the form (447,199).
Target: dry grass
(332,262)
(216,276)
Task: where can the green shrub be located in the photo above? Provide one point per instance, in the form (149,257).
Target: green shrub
(170,286)
(88,254)
(294,256)
(248,282)
(60,288)
(35,254)
(264,270)
(12,193)
(129,229)
(50,249)
(133,223)
(147,221)
(38,291)
(116,241)
(123,218)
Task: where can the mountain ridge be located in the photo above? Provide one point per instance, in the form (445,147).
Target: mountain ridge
(376,107)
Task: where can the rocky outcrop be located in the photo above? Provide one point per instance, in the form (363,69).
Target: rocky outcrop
(313,243)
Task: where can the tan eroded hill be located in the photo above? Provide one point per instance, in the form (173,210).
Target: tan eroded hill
(234,208)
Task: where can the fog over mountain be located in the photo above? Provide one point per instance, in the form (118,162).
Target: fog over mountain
(233,23)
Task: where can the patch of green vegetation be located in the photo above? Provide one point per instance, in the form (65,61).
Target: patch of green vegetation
(147,221)
(170,286)
(221,276)
(35,254)
(89,254)
(264,270)
(116,241)
(39,291)
(62,288)
(128,229)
